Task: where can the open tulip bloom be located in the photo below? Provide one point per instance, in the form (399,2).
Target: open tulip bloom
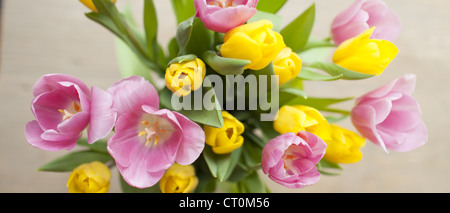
(225,100)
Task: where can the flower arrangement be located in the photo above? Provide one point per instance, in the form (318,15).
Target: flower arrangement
(232,102)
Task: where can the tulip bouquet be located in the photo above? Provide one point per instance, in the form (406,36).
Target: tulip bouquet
(224,103)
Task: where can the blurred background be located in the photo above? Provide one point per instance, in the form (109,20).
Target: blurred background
(54,36)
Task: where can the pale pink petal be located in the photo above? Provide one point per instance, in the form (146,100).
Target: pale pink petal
(224,19)
(102,115)
(131,93)
(228,18)
(33,134)
(345,16)
(387,22)
(192,142)
(405,141)
(137,177)
(51,82)
(363,118)
(124,145)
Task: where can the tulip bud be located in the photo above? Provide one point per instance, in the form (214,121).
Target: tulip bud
(287,65)
(90,4)
(89,178)
(302,118)
(343,146)
(178,179)
(184,77)
(226,139)
(364,55)
(256,42)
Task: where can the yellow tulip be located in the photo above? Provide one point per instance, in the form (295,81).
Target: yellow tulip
(178,179)
(287,65)
(226,139)
(255,41)
(302,118)
(182,78)
(343,146)
(90,4)
(364,55)
(91,177)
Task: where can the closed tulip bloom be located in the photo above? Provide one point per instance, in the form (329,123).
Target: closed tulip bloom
(89,178)
(361,16)
(287,65)
(302,118)
(182,78)
(290,159)
(390,117)
(255,41)
(344,146)
(224,15)
(226,139)
(365,55)
(89,4)
(179,179)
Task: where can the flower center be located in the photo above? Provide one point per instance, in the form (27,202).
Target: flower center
(223,3)
(70,111)
(155,131)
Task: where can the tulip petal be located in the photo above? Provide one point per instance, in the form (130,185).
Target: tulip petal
(137,177)
(33,134)
(50,82)
(103,117)
(131,93)
(193,140)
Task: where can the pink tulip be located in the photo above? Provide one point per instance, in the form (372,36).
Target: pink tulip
(148,140)
(290,159)
(224,15)
(363,15)
(61,105)
(64,107)
(390,117)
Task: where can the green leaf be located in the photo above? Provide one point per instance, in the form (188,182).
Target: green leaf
(130,189)
(267,130)
(334,70)
(318,102)
(173,48)
(252,152)
(98,146)
(224,66)
(332,119)
(328,168)
(270,6)
(206,182)
(205,116)
(274,18)
(311,75)
(200,40)
(291,90)
(210,159)
(183,58)
(183,35)
(221,165)
(225,168)
(151,29)
(252,184)
(72,160)
(183,9)
(296,34)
